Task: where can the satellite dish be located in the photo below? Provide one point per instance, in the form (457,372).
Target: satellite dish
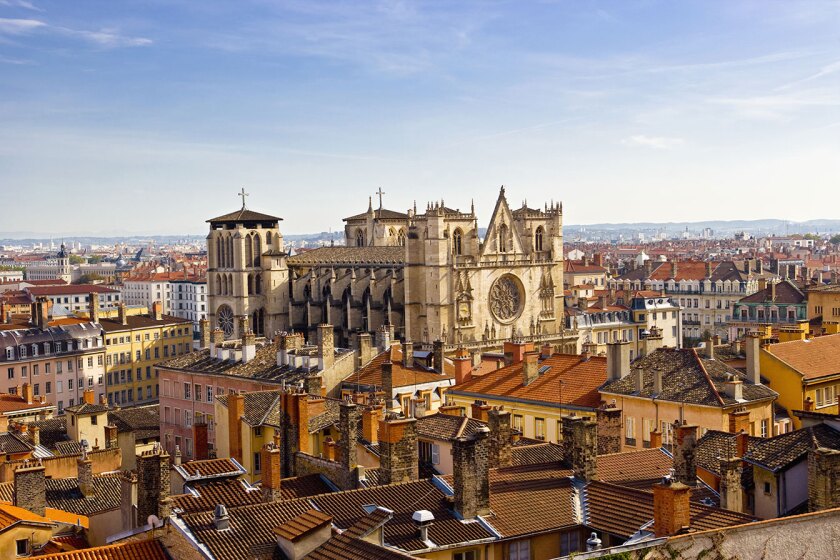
(154,521)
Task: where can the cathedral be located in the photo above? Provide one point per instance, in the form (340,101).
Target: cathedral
(424,276)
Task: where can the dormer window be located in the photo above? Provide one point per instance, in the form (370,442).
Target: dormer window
(34,349)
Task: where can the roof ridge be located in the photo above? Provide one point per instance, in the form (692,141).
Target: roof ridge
(707,376)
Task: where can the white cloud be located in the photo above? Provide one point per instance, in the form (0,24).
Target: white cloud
(107,37)
(10,26)
(657,142)
(20,4)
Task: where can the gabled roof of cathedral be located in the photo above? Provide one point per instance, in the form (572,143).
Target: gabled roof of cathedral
(350,256)
(381,214)
(244,215)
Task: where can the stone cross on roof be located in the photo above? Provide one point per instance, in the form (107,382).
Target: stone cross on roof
(243,194)
(380,192)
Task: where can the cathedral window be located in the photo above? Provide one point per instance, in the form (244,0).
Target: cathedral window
(503,233)
(258,284)
(360,238)
(456,241)
(257,249)
(401,237)
(268,239)
(249,252)
(538,239)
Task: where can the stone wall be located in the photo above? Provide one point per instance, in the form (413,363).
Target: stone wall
(823,479)
(398,457)
(471,475)
(308,464)
(609,430)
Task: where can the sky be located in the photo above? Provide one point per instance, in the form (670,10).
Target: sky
(150,116)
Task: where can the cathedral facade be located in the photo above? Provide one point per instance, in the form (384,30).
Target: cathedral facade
(427,276)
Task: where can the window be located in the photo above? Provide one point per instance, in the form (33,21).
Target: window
(187,391)
(209,393)
(456,241)
(11,372)
(197,392)
(767,489)
(568,543)
(630,431)
(49,387)
(187,418)
(257,465)
(538,239)
(539,428)
(467,555)
(503,234)
(519,550)
(22,546)
(517,422)
(93,420)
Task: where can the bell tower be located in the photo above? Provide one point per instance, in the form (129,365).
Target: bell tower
(245,262)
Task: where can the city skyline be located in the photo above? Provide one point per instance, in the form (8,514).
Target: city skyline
(152,117)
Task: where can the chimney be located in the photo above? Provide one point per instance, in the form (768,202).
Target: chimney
(463,369)
(388,383)
(753,357)
(221,519)
(734,388)
(121,316)
(383,338)
(89,396)
(295,434)
(545,351)
(671,508)
(43,310)
(35,435)
(731,491)
(639,380)
(111,437)
(709,349)
(216,341)
(370,423)
(471,474)
(807,405)
(176,460)
(93,307)
(348,428)
(580,437)
(418,407)
(739,421)
(4,312)
(437,356)
(85,476)
(326,346)
(397,450)
(480,410)
(655,439)
(685,464)
(708,270)
(128,499)
(249,346)
(157,311)
(30,488)
(202,446)
(762,284)
(236,410)
(658,376)
(823,479)
(152,483)
(204,332)
(26,393)
(618,360)
(500,455)
(408,354)
(365,349)
(530,367)
(609,429)
(514,352)
(270,475)
(674,269)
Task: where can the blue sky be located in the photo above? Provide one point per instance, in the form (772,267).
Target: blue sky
(149,116)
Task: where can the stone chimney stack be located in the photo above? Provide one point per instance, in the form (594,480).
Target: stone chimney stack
(408,354)
(326,346)
(26,393)
(217,338)
(731,491)
(93,307)
(471,474)
(152,483)
(501,454)
(530,367)
(618,360)
(85,476)
(157,310)
(249,346)
(609,429)
(437,356)
(365,349)
(348,427)
(753,357)
(270,475)
(671,508)
(30,488)
(823,479)
(398,449)
(204,332)
(685,464)
(388,383)
(236,410)
(581,440)
(121,314)
(42,308)
(35,434)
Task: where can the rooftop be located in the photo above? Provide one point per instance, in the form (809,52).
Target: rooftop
(813,358)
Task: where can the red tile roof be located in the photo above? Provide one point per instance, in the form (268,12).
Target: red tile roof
(812,358)
(371,374)
(135,550)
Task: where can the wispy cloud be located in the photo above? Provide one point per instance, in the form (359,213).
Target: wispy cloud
(826,70)
(657,142)
(20,4)
(780,105)
(108,38)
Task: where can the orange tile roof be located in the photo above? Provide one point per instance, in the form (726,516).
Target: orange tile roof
(812,358)
(9,515)
(303,524)
(135,550)
(371,374)
(61,516)
(13,403)
(580,381)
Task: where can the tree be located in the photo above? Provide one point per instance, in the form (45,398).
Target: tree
(76,259)
(835,239)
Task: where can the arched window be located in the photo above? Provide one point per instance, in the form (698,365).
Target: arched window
(257,249)
(250,284)
(503,233)
(360,238)
(258,284)
(230,284)
(392,236)
(249,251)
(401,237)
(230,252)
(268,240)
(538,239)
(456,241)
(218,252)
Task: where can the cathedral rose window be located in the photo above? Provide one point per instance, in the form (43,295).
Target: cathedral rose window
(506,298)
(225,318)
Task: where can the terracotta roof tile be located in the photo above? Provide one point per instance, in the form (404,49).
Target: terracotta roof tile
(350,256)
(371,374)
(812,358)
(210,468)
(136,550)
(780,452)
(297,527)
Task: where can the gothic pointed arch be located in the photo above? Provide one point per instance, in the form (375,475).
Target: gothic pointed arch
(503,238)
(249,251)
(257,250)
(360,238)
(538,239)
(401,237)
(457,242)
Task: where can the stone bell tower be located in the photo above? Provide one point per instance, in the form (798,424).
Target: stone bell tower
(246,275)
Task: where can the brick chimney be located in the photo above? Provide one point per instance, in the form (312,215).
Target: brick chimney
(500,453)
(408,354)
(388,383)
(437,356)
(609,429)
(671,508)
(807,405)
(30,488)
(295,431)
(42,309)
(84,466)
(202,446)
(545,351)
(463,369)
(121,315)
(480,410)
(326,346)
(731,491)
(685,464)
(580,437)
(89,396)
(471,475)
(270,475)
(93,307)
(655,439)
(753,357)
(530,367)
(514,352)
(398,458)
(152,483)
(4,312)
(618,360)
(823,479)
(204,332)
(26,393)
(236,410)
(157,310)
(348,428)
(370,423)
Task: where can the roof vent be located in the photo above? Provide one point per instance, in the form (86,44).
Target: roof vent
(423,519)
(220,518)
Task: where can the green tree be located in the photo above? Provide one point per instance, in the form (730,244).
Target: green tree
(76,259)
(835,239)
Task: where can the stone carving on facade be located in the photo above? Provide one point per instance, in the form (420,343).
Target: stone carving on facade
(506,298)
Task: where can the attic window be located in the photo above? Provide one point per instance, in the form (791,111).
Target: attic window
(369,508)
(544,369)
